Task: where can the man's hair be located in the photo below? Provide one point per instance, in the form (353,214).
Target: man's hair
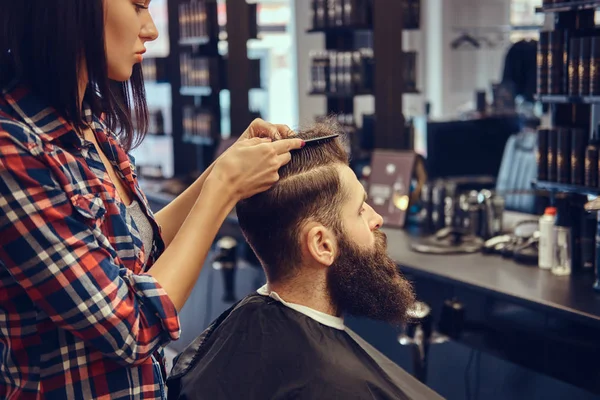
(42,43)
(309,188)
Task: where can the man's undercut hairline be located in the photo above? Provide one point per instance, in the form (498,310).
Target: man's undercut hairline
(313,171)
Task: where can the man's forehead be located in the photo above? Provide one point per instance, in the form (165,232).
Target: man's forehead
(350,182)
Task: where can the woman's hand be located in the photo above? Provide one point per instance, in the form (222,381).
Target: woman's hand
(251,166)
(264,129)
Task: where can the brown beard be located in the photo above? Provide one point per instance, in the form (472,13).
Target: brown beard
(368,283)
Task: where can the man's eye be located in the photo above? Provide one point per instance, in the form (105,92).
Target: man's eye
(140,7)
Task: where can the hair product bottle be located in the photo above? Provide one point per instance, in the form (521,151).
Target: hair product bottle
(552,155)
(546,252)
(542,154)
(562,242)
(578,143)
(563,151)
(591,162)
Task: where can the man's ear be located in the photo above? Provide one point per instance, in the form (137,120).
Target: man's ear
(319,243)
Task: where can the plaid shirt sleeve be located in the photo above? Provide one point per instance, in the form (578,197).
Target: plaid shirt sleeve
(65,267)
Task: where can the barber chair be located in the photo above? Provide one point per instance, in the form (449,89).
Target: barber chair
(517,171)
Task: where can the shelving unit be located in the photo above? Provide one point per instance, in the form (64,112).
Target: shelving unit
(199,140)
(563,99)
(568,110)
(195,140)
(195,90)
(570,113)
(192,154)
(555,187)
(386,21)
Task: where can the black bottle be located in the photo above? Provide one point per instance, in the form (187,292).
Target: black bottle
(552,155)
(591,162)
(563,156)
(579,140)
(542,154)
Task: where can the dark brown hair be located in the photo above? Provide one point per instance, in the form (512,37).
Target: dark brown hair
(42,43)
(309,188)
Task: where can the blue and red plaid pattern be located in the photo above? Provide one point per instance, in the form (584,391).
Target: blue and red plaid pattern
(79,317)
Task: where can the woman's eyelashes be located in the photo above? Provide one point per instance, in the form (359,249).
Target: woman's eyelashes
(140,7)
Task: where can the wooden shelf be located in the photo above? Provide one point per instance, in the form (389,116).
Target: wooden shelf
(350,95)
(156,82)
(340,29)
(569,6)
(195,91)
(194,41)
(565,99)
(198,140)
(565,188)
(333,95)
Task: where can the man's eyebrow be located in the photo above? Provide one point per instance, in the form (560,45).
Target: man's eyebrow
(364,199)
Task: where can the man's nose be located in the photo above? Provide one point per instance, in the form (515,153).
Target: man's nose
(376,221)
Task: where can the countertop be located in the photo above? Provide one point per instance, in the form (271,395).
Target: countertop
(572,296)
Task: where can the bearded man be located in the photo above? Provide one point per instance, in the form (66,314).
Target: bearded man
(320,245)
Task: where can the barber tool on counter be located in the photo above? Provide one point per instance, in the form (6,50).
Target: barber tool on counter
(457,221)
(418,333)
(226,261)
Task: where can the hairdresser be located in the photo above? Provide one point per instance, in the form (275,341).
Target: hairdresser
(90,280)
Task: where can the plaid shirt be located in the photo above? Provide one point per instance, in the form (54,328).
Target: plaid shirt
(79,317)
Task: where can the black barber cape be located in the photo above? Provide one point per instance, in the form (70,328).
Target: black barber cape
(261,349)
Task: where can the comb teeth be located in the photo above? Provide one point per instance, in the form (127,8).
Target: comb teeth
(318,140)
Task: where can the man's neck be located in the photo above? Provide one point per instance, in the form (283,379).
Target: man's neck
(309,294)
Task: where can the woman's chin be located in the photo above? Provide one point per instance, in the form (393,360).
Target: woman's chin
(120,76)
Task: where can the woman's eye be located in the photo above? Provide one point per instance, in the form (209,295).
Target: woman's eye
(140,7)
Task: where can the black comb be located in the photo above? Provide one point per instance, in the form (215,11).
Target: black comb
(320,139)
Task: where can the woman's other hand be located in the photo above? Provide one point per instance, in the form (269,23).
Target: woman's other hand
(251,166)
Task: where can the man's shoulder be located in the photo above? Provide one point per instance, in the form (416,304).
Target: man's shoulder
(258,315)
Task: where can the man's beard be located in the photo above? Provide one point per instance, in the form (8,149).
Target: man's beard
(368,283)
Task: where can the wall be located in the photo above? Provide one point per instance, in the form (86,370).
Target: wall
(455,75)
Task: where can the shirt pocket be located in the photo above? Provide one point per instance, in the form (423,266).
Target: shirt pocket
(90,207)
